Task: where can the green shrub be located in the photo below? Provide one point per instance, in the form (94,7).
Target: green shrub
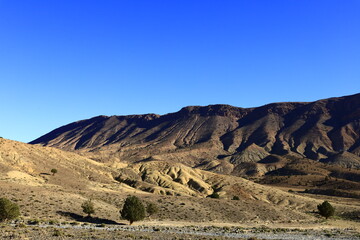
(52,222)
(151,208)
(235,198)
(57,233)
(326,209)
(8,210)
(133,209)
(88,207)
(53,171)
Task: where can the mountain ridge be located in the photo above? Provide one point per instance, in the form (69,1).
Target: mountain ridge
(198,135)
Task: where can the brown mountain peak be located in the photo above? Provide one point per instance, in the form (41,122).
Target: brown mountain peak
(314,130)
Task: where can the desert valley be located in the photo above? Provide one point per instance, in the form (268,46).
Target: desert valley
(213,172)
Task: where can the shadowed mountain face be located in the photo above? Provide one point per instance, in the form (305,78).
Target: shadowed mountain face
(221,137)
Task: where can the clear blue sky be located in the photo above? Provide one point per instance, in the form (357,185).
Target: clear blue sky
(62,61)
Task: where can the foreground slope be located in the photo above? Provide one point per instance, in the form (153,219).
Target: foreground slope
(180,191)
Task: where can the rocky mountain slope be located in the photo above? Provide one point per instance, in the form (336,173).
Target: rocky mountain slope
(223,138)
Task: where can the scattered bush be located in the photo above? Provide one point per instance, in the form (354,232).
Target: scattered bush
(133,209)
(235,198)
(88,207)
(214,195)
(33,221)
(151,208)
(53,171)
(326,209)
(57,233)
(8,210)
(52,222)
(21,225)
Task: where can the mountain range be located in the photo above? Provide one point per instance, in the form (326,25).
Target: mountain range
(223,138)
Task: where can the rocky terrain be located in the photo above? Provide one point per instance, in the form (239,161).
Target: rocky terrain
(151,231)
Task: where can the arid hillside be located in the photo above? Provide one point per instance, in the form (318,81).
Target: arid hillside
(182,193)
(223,138)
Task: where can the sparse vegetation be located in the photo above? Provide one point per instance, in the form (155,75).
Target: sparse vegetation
(214,195)
(235,198)
(351,215)
(52,222)
(33,221)
(88,207)
(54,171)
(151,208)
(133,209)
(326,209)
(57,233)
(8,210)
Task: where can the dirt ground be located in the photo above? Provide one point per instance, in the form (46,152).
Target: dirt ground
(333,229)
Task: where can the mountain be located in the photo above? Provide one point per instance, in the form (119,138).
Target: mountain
(221,137)
(178,160)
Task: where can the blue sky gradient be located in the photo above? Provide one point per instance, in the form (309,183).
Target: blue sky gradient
(63,61)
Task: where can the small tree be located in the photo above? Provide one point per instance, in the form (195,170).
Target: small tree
(133,209)
(151,208)
(8,210)
(326,209)
(88,207)
(53,171)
